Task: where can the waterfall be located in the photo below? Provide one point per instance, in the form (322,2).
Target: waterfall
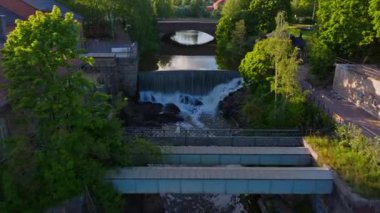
(187,82)
(194,106)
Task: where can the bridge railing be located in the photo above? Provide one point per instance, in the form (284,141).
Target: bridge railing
(159,132)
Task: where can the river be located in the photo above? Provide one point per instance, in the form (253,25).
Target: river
(174,56)
(189,49)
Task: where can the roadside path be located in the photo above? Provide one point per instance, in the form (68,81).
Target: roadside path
(340,109)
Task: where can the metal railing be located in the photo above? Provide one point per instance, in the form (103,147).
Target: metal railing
(159,132)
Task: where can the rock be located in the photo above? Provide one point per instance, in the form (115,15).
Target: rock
(197,102)
(153,204)
(150,114)
(190,100)
(169,118)
(171,108)
(231,107)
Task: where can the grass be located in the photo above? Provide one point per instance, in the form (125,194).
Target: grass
(353,156)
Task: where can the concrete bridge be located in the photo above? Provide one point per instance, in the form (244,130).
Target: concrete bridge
(200,165)
(168,26)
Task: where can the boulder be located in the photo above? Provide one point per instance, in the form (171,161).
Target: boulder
(231,107)
(171,108)
(150,114)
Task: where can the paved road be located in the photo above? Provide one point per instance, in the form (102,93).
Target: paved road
(340,109)
(346,111)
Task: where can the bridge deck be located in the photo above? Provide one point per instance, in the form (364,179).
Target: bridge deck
(212,155)
(228,180)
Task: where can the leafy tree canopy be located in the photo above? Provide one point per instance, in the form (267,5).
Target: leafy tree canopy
(265,10)
(258,20)
(375,13)
(344,26)
(270,72)
(72,133)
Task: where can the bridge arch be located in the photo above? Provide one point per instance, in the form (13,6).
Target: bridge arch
(170,26)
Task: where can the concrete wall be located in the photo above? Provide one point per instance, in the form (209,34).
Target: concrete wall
(352,83)
(116,71)
(128,71)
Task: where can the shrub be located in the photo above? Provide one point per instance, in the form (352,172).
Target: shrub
(353,156)
(142,152)
(321,59)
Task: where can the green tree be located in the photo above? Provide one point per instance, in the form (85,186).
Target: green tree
(74,135)
(303,7)
(258,20)
(375,13)
(233,7)
(162,8)
(344,26)
(265,10)
(233,11)
(270,71)
(140,16)
(196,8)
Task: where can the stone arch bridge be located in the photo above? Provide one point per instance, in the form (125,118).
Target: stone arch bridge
(168,26)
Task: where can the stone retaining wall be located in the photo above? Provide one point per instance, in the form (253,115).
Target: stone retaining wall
(359,85)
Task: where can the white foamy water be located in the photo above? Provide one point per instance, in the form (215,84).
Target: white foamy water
(193,107)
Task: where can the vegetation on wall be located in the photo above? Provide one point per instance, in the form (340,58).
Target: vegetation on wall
(72,133)
(353,156)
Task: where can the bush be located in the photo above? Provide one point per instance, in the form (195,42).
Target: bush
(321,59)
(353,156)
(142,152)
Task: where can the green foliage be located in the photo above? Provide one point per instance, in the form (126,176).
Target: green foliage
(257,66)
(270,72)
(139,16)
(74,135)
(233,7)
(345,29)
(162,8)
(258,18)
(265,10)
(374,10)
(236,24)
(321,58)
(344,26)
(142,152)
(275,53)
(303,8)
(353,156)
